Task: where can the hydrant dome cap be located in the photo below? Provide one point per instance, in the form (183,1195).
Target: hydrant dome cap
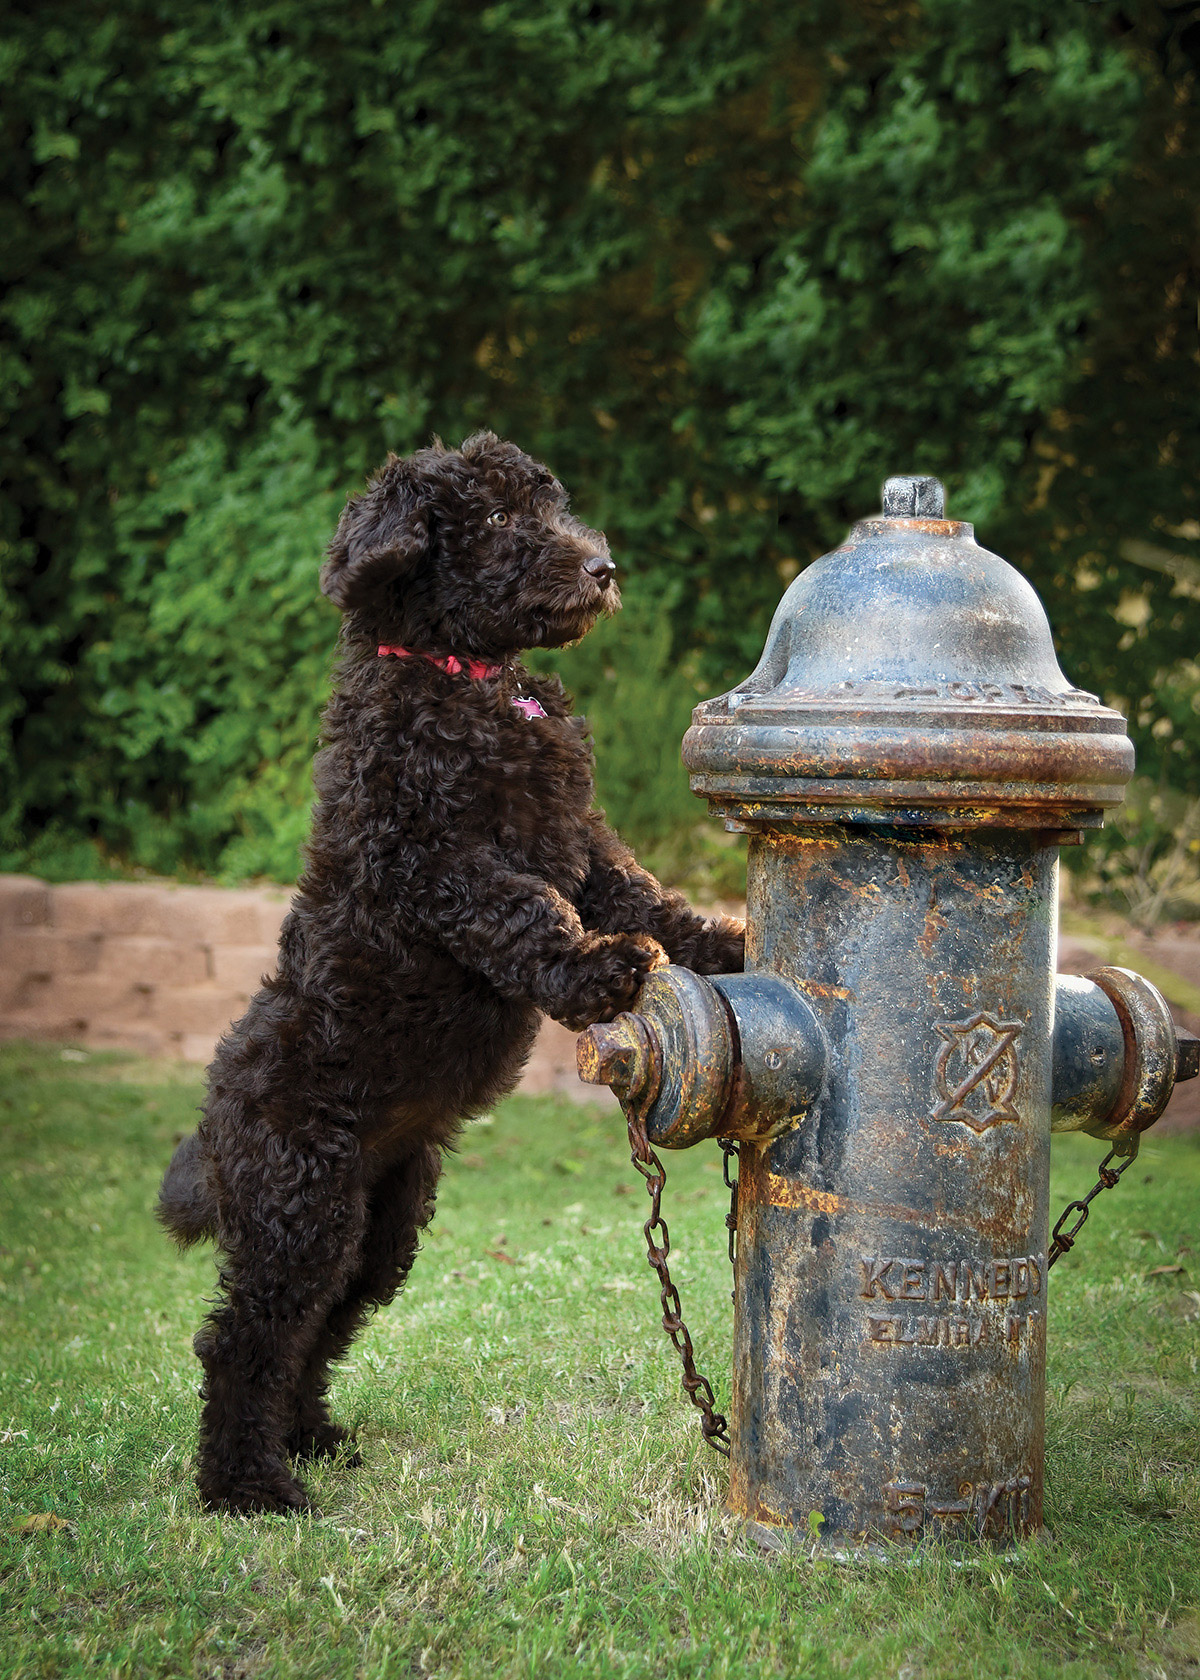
(910,677)
(914,609)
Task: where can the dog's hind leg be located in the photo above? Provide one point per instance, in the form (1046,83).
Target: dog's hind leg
(292,1220)
(401,1205)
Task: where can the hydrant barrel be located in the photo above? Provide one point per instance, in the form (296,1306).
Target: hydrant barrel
(889,1361)
(906,758)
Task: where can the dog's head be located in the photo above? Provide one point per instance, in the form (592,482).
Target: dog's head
(468,550)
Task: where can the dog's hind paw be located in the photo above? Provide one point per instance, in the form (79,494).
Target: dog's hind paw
(279,1495)
(326,1440)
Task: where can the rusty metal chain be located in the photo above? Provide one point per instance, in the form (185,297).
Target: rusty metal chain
(730,1153)
(1063,1241)
(713,1425)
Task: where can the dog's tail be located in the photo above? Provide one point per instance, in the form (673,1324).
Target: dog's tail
(187,1205)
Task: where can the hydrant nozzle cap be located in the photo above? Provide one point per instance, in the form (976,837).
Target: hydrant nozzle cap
(914,498)
(623,1054)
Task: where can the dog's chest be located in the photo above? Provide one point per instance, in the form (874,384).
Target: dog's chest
(540,792)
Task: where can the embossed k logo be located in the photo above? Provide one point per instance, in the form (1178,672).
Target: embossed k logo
(976,1071)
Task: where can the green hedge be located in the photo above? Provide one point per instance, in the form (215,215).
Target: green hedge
(726,267)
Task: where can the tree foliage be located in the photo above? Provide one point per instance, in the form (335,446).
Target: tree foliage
(725,267)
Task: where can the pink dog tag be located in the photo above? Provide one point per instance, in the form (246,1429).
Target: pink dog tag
(529,708)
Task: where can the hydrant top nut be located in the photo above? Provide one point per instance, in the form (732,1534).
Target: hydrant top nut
(914,498)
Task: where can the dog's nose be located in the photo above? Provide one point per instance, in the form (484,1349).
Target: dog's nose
(600,567)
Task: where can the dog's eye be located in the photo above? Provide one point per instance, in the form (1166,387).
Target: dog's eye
(498,518)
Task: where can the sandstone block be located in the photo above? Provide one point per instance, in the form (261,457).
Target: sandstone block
(124,1034)
(41,955)
(552,1068)
(240,968)
(24,901)
(111,907)
(135,960)
(196,1047)
(219,915)
(82,997)
(162,910)
(195,1009)
(39,1026)
(39,950)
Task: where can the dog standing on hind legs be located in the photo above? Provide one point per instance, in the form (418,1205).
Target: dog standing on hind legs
(458,883)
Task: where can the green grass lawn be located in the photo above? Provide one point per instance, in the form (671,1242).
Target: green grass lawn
(535,1498)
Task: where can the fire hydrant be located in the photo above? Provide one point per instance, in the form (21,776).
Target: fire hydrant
(906,759)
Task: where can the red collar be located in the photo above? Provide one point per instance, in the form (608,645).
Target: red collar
(445,662)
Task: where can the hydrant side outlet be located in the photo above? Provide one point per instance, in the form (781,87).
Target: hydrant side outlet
(736,1056)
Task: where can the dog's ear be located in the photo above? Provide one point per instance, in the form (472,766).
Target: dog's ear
(381,535)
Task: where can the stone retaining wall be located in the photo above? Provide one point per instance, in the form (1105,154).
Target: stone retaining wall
(163,969)
(149,967)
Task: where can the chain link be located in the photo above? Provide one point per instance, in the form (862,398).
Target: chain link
(730,1153)
(1063,1241)
(713,1425)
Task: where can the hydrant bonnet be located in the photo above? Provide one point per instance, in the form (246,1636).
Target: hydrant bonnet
(909,678)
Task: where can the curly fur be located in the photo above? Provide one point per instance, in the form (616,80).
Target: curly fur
(458,884)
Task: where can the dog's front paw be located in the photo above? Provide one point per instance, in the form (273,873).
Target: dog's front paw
(724,946)
(614,971)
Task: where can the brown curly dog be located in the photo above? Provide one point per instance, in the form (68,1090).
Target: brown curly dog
(459,882)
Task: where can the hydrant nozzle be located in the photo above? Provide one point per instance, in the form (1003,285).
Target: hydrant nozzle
(730,1055)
